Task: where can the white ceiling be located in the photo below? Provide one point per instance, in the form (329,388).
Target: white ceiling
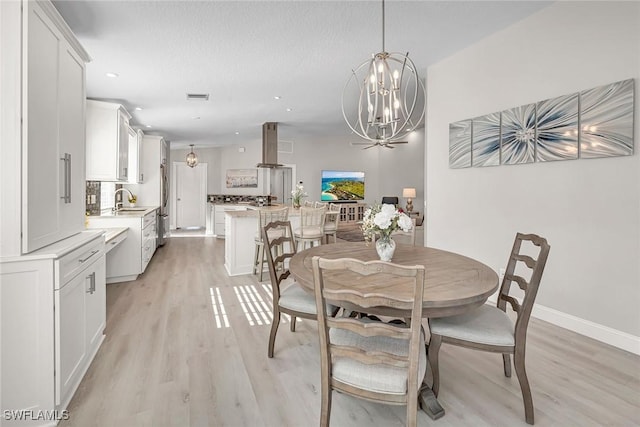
(243,53)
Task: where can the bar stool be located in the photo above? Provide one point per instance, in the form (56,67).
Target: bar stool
(311,228)
(266,216)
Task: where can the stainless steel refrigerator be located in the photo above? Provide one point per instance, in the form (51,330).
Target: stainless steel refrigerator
(162,221)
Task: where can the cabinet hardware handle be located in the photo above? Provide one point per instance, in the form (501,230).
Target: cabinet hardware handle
(125,172)
(92,254)
(67,178)
(92,283)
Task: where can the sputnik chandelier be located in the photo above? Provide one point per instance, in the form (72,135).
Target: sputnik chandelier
(389,94)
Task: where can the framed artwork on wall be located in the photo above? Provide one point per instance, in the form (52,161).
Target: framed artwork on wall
(242,178)
(517,135)
(557,129)
(485,140)
(460,144)
(606,120)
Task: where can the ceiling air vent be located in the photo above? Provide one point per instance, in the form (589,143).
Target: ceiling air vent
(197,96)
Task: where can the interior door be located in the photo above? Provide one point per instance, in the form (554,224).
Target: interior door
(191,195)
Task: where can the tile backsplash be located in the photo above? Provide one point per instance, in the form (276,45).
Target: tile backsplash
(93,198)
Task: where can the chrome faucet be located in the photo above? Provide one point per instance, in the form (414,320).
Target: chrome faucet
(116,208)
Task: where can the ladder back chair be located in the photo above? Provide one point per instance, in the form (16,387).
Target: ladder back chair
(332,221)
(293,300)
(489,328)
(406,237)
(308,204)
(320,204)
(376,361)
(311,228)
(265,216)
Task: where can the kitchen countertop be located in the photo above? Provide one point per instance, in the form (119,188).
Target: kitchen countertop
(253,211)
(127,212)
(112,233)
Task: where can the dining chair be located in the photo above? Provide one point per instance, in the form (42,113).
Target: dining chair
(489,328)
(332,221)
(293,300)
(376,361)
(265,216)
(320,205)
(389,200)
(406,237)
(311,228)
(308,204)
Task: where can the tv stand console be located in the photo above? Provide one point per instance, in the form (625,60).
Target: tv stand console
(351,213)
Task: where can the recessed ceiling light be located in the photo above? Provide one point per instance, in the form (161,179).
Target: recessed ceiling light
(237,133)
(277,97)
(196,118)
(112,75)
(138,108)
(288,109)
(148,126)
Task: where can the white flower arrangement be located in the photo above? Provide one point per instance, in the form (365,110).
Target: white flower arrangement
(382,220)
(298,194)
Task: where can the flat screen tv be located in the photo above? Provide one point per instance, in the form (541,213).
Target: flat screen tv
(342,186)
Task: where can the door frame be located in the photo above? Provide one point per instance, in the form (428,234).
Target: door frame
(174,193)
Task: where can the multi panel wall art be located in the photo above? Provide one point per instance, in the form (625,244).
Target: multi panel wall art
(593,123)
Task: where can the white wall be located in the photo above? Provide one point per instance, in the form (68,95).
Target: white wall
(387,171)
(589,210)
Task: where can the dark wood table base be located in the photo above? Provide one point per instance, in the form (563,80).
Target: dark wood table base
(429,404)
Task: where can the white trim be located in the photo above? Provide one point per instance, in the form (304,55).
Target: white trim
(605,334)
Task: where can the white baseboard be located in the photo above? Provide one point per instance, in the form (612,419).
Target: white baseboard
(605,334)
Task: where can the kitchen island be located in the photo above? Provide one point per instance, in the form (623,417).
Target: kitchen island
(241,228)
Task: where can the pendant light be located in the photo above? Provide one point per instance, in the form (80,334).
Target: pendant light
(192,159)
(384,99)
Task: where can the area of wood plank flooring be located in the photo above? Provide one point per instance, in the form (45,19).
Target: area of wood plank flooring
(186,345)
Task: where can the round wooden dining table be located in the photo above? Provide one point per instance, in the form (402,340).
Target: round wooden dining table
(454,284)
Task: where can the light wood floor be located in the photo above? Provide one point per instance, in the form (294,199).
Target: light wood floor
(180,351)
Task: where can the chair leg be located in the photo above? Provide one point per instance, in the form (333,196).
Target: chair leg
(274,329)
(325,405)
(412,407)
(255,259)
(261,260)
(293,323)
(521,373)
(506,361)
(432,355)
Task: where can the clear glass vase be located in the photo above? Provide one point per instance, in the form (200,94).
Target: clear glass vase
(385,246)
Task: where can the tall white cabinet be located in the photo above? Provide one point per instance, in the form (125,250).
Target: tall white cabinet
(52,272)
(42,128)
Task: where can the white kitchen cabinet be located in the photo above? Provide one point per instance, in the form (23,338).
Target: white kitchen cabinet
(218,224)
(149,234)
(131,257)
(42,155)
(135,174)
(107,141)
(153,159)
(80,315)
(52,320)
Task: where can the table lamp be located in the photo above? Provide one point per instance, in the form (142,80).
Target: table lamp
(409,193)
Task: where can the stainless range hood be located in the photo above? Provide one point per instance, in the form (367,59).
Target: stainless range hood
(269,146)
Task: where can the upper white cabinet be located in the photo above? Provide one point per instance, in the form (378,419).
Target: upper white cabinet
(107,141)
(135,172)
(42,112)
